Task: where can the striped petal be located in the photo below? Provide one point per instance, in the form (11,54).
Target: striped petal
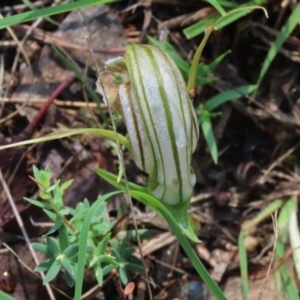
(150,93)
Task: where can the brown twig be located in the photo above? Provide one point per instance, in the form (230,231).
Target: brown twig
(116,279)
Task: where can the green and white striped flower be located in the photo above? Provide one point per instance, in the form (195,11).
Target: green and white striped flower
(148,90)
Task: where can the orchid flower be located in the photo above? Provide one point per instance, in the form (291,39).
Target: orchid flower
(147,89)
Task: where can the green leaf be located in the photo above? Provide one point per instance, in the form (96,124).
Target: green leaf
(208,133)
(41,248)
(107,259)
(243,265)
(284,33)
(58,224)
(265,213)
(98,274)
(109,134)
(52,272)
(101,248)
(45,265)
(4,296)
(70,267)
(99,230)
(83,243)
(49,11)
(69,279)
(162,210)
(226,96)
(65,185)
(287,280)
(53,246)
(71,251)
(36,172)
(52,215)
(206,69)
(217,6)
(112,179)
(45,196)
(40,204)
(136,268)
(285,213)
(123,276)
(63,238)
(98,212)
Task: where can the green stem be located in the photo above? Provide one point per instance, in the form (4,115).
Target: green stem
(163,211)
(197,56)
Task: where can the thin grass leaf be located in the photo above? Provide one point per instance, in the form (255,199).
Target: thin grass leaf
(198,28)
(30,5)
(284,33)
(4,296)
(271,208)
(285,214)
(287,280)
(217,6)
(197,56)
(49,11)
(83,244)
(243,266)
(209,136)
(55,136)
(295,240)
(184,66)
(228,95)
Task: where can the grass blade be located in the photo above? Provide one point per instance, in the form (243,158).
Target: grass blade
(285,32)
(206,125)
(287,281)
(62,134)
(228,95)
(4,296)
(243,266)
(49,11)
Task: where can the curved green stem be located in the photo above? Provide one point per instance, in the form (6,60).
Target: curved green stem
(109,134)
(142,195)
(197,56)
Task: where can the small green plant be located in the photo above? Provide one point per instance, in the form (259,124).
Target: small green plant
(103,252)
